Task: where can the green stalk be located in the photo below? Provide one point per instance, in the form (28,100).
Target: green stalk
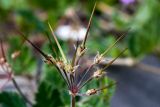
(111,62)
(121,37)
(59,46)
(89,25)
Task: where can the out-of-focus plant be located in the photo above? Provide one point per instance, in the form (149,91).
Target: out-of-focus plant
(145,37)
(144,22)
(11,99)
(7,73)
(25,62)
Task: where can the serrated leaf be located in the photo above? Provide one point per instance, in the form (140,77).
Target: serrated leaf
(48,96)
(11,99)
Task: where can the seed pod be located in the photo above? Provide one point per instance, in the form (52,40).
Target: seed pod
(81,50)
(91,92)
(97,58)
(49,60)
(60,64)
(98,74)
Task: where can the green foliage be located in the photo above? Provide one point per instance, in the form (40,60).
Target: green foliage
(145,37)
(48,96)
(13,4)
(51,48)
(29,21)
(25,63)
(101,44)
(52,4)
(52,76)
(10,99)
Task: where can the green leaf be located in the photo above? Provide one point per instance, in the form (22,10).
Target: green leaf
(6,4)
(11,99)
(25,62)
(48,96)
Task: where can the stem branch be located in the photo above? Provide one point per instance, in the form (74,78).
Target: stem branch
(73,101)
(21,93)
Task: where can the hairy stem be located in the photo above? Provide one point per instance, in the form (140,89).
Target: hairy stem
(73,101)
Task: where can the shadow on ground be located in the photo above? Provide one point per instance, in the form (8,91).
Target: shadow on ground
(136,87)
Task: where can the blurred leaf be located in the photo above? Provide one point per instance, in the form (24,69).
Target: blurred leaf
(47,47)
(53,77)
(5,4)
(30,21)
(101,44)
(52,4)
(25,63)
(145,37)
(48,96)
(10,99)
(13,4)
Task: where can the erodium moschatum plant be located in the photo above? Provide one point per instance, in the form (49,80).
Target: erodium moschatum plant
(6,73)
(68,68)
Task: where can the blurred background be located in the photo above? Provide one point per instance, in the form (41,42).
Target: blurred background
(136,72)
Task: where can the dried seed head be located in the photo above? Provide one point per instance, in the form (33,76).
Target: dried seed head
(68,68)
(2,60)
(98,58)
(15,54)
(75,68)
(5,68)
(81,50)
(8,67)
(91,92)
(99,73)
(6,74)
(60,64)
(49,60)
